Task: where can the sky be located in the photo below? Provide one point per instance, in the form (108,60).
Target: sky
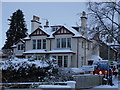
(55,12)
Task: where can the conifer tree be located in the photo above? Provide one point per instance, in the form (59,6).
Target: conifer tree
(17,29)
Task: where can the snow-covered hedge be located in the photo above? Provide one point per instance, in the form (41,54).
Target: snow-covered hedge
(24,70)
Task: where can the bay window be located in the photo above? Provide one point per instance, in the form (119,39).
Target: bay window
(63,42)
(39,44)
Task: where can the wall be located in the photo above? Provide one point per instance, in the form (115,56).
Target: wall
(87,81)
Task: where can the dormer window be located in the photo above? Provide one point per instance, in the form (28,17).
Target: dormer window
(55,28)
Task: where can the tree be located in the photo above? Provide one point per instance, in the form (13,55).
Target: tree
(17,29)
(104,15)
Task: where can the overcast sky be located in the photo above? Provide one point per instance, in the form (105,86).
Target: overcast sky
(55,12)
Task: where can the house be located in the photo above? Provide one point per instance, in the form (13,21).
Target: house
(70,46)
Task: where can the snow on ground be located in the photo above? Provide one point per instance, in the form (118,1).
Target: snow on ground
(54,86)
(115,82)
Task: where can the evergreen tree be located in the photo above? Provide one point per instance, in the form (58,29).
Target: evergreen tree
(17,29)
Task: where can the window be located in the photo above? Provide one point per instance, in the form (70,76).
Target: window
(38,44)
(58,43)
(63,42)
(82,44)
(20,47)
(82,61)
(60,61)
(68,42)
(34,44)
(44,44)
(65,61)
(88,46)
(54,28)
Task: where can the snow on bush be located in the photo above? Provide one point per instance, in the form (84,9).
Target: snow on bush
(24,70)
(16,63)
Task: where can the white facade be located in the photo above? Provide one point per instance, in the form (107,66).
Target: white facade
(67,45)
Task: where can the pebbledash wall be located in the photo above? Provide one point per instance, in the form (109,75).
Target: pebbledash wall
(69,45)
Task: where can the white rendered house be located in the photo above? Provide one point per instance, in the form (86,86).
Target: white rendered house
(69,45)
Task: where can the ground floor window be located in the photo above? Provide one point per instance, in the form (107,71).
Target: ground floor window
(36,57)
(62,60)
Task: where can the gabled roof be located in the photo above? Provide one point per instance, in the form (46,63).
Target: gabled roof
(21,40)
(39,32)
(72,31)
(63,29)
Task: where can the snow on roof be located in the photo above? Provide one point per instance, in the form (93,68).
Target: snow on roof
(27,38)
(14,46)
(95,58)
(77,70)
(77,34)
(34,51)
(61,51)
(44,51)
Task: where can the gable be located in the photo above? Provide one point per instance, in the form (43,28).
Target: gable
(20,41)
(38,32)
(62,30)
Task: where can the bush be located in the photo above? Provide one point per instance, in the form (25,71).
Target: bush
(24,70)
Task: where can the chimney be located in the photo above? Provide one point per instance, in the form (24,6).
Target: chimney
(47,24)
(35,23)
(83,22)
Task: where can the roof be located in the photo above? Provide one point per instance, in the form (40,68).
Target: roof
(20,40)
(34,51)
(27,38)
(45,52)
(95,58)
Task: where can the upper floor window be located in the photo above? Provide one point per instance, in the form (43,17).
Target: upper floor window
(58,43)
(44,44)
(88,46)
(63,42)
(69,42)
(39,44)
(20,46)
(34,44)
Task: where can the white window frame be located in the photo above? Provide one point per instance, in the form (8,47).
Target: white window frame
(66,42)
(36,44)
(20,47)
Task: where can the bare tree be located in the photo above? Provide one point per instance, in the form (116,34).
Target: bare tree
(104,15)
